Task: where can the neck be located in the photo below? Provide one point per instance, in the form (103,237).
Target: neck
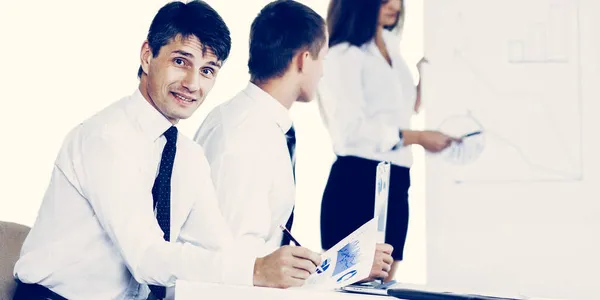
(379,36)
(282,89)
(143,87)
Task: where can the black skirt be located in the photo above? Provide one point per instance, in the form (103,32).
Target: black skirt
(349,202)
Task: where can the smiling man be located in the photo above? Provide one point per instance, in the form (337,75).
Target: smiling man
(131,207)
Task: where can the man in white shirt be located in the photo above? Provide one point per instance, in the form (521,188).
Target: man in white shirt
(131,206)
(249,140)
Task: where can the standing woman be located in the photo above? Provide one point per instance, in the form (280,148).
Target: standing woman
(366,100)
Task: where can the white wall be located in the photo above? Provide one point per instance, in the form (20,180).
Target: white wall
(524,217)
(64,60)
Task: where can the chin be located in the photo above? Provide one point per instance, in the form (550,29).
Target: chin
(305,99)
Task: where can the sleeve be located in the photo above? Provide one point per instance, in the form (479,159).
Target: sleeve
(243,184)
(120,193)
(343,104)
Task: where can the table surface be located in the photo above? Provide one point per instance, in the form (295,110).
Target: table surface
(186,290)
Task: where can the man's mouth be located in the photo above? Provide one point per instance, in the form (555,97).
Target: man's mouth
(183,98)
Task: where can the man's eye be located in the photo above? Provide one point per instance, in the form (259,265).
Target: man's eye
(179,61)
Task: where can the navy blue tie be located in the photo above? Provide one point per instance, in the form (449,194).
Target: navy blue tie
(291,145)
(161,193)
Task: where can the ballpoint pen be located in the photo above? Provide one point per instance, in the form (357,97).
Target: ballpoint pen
(289,235)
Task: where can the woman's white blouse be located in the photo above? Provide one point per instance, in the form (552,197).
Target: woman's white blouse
(365,102)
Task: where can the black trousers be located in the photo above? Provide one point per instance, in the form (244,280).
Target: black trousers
(349,202)
(26,291)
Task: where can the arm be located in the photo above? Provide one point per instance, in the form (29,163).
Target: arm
(344,106)
(243,180)
(418,100)
(119,193)
(243,183)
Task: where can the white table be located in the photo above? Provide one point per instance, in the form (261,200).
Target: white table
(186,290)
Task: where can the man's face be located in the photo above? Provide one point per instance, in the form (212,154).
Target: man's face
(313,71)
(179,77)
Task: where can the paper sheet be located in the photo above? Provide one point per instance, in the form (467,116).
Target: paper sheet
(381,198)
(349,261)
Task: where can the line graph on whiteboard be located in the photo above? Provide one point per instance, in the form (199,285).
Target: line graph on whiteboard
(477,157)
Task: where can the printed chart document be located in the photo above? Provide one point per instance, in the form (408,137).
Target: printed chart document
(349,261)
(382,187)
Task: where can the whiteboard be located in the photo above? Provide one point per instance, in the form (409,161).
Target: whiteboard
(514,209)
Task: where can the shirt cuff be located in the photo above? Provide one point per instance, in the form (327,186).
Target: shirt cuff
(391,140)
(238,266)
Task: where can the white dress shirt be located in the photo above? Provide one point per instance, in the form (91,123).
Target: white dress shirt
(96,235)
(365,102)
(245,144)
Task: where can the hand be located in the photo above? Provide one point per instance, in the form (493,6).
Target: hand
(417,106)
(288,266)
(434,141)
(382,264)
(422,61)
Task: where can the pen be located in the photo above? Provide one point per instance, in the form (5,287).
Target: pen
(471,134)
(291,237)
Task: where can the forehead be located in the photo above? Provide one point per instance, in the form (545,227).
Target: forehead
(189,44)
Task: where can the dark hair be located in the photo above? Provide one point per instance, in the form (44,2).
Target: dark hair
(355,21)
(280,31)
(195,18)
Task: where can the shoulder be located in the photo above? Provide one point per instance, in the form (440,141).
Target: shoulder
(191,151)
(111,125)
(345,52)
(236,112)
(102,136)
(234,126)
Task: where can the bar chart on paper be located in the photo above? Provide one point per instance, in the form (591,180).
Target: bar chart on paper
(515,67)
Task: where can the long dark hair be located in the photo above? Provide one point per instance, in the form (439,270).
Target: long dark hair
(355,21)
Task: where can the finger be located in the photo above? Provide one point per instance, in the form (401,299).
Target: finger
(304,264)
(446,142)
(294,282)
(449,141)
(388,259)
(385,248)
(379,274)
(304,253)
(382,264)
(299,273)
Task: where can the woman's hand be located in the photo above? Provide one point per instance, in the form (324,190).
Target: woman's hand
(418,100)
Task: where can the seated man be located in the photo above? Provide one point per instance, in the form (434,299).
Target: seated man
(131,206)
(249,140)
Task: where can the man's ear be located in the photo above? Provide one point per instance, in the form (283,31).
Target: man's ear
(301,60)
(145,56)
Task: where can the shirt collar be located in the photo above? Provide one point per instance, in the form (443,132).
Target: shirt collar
(270,106)
(371,46)
(150,121)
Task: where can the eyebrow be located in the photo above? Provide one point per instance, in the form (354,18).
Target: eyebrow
(191,56)
(214,63)
(186,54)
